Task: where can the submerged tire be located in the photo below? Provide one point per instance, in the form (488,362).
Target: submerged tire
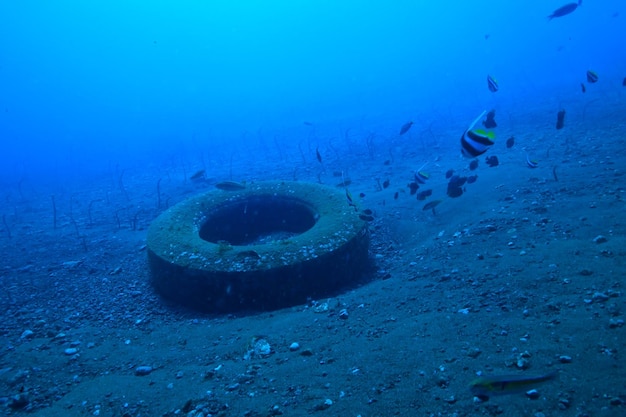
(270,245)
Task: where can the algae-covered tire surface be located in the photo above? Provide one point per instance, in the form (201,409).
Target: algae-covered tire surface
(269,245)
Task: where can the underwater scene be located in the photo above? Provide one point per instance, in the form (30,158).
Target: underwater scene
(328,208)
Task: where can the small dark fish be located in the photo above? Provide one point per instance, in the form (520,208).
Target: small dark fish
(454,191)
(366,217)
(230,186)
(422,195)
(455,186)
(490,121)
(395,196)
(510,142)
(472,179)
(565,10)
(405,128)
(560,119)
(583,88)
(198,176)
(492,84)
(361,195)
(431,205)
(413,187)
(624,82)
(367,212)
(492,161)
(449,173)
(318,155)
(457,181)
(308,124)
(385,183)
(592,77)
(487,36)
(487,386)
(473,164)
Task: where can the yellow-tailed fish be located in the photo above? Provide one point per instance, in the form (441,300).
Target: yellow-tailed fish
(487,386)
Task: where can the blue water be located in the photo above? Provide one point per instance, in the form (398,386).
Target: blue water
(88,85)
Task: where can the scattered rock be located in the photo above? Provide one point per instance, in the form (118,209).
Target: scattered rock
(143,370)
(27,334)
(600,239)
(294,346)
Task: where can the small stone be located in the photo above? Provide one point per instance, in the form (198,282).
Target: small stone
(27,334)
(71,351)
(323,406)
(616,401)
(294,346)
(343,314)
(599,297)
(600,239)
(143,370)
(533,394)
(565,359)
(586,272)
(613,323)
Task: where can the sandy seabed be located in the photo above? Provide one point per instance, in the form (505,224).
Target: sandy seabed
(523,274)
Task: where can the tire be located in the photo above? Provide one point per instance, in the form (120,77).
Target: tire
(268,246)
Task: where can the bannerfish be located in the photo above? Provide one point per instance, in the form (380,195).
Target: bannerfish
(488,386)
(592,77)
(560,119)
(490,121)
(405,128)
(492,84)
(473,164)
(565,10)
(421,177)
(413,187)
(510,142)
(476,142)
(532,163)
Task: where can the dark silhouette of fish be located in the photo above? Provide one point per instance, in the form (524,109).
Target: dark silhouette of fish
(592,77)
(560,119)
(405,128)
(318,155)
(583,88)
(565,10)
(490,120)
(510,142)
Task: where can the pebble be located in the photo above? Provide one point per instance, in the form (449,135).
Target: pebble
(599,296)
(27,334)
(565,359)
(343,314)
(294,346)
(600,239)
(533,394)
(143,370)
(71,351)
(613,323)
